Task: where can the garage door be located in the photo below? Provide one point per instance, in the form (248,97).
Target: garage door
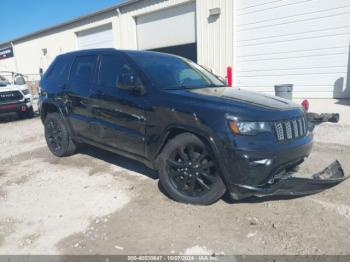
(97,37)
(172,30)
(301,42)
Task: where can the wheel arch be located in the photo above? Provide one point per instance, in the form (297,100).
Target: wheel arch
(52,107)
(208,140)
(48,107)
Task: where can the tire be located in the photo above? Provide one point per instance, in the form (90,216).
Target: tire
(57,136)
(188,172)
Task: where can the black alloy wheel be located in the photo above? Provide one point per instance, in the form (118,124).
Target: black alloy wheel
(188,171)
(54,135)
(58,137)
(191,170)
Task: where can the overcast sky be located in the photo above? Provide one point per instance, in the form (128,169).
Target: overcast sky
(20,17)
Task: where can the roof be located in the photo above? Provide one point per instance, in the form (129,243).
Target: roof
(102,11)
(113,50)
(90,51)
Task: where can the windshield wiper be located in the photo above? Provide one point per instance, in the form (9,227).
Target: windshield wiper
(181,87)
(210,86)
(214,85)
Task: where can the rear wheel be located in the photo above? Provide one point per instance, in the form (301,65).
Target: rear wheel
(58,137)
(188,171)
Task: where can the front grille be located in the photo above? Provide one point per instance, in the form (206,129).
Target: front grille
(10,96)
(291,129)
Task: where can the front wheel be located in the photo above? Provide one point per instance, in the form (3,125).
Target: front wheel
(188,171)
(58,137)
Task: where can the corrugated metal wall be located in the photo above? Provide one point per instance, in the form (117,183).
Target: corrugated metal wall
(215,36)
(301,42)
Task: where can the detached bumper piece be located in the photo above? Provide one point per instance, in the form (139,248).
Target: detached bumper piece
(321,118)
(295,186)
(316,119)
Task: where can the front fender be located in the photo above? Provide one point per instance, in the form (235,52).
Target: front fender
(209,138)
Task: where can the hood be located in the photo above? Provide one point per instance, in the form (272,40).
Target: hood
(8,88)
(12,87)
(248,97)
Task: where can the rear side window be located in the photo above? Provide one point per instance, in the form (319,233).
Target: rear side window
(83,69)
(59,70)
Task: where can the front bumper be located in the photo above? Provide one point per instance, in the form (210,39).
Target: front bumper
(259,167)
(294,186)
(14,107)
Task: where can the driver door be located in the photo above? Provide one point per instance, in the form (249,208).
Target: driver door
(119,113)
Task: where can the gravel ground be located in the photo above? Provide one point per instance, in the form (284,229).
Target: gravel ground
(96,202)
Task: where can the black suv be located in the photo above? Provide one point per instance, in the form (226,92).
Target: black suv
(176,117)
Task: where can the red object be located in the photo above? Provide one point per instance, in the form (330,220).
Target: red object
(305,105)
(229,76)
(23,108)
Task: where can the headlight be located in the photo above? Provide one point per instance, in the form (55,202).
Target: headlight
(25,91)
(249,128)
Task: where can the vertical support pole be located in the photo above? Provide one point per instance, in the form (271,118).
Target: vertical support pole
(15,57)
(229,76)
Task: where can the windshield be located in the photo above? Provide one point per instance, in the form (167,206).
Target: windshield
(171,72)
(3,81)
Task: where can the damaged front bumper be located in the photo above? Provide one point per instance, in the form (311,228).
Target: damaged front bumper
(294,186)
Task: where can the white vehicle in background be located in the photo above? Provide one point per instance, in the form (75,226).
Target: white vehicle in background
(15,96)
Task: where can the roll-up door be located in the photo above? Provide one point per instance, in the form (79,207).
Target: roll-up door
(97,37)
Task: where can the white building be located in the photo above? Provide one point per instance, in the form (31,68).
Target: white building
(267,42)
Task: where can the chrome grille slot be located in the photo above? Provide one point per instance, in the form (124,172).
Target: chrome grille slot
(295,128)
(291,129)
(300,123)
(288,127)
(279,131)
(304,125)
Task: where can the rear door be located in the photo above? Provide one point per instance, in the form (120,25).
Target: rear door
(78,93)
(119,113)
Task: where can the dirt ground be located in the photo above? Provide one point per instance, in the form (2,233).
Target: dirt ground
(96,202)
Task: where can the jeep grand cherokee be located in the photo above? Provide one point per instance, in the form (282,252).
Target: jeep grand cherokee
(203,137)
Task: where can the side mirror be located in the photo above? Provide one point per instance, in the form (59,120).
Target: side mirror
(127,81)
(130,81)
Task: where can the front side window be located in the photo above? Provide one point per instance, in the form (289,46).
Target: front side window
(110,70)
(171,72)
(83,69)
